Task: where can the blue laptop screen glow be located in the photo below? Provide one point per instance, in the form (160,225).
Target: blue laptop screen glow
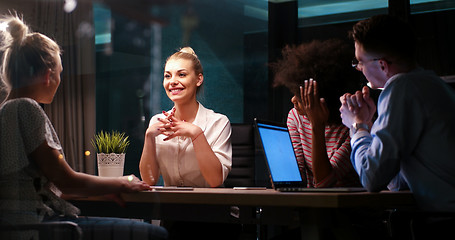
(279,153)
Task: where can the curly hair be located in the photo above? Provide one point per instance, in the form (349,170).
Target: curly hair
(328,62)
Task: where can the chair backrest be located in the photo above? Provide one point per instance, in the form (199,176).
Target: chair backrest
(243,156)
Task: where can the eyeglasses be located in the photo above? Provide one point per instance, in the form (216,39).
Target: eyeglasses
(356,63)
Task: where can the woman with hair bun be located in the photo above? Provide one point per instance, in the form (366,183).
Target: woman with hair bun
(188,145)
(33,171)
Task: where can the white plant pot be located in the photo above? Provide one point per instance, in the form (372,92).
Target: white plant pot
(110,165)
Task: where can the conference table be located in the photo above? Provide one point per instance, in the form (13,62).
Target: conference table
(311,210)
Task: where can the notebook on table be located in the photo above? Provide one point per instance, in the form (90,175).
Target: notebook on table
(281,161)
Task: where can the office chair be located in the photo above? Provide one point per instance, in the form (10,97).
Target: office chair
(59,230)
(243,159)
(244,173)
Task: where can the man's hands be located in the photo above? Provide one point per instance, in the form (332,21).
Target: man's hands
(357,108)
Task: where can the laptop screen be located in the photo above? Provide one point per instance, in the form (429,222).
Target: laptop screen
(279,153)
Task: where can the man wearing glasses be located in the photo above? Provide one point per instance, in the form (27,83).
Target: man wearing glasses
(412,141)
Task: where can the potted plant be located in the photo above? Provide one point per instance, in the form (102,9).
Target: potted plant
(111,148)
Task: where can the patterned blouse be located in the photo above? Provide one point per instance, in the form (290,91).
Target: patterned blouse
(26,196)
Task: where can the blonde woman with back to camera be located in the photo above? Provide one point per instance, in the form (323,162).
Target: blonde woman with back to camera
(33,170)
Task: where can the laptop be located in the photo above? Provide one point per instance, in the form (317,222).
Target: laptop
(281,161)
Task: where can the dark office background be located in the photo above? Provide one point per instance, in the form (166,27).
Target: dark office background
(235,41)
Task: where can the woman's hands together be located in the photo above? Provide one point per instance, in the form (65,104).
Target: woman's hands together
(172,127)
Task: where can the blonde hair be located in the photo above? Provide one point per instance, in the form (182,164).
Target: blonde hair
(26,54)
(188,54)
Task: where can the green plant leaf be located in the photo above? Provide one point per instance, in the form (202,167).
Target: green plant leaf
(113,142)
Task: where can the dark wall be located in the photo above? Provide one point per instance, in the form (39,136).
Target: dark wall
(283,25)
(435,33)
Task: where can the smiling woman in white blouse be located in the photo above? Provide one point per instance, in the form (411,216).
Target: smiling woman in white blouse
(188,145)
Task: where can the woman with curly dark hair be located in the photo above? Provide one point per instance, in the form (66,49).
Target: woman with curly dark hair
(318,73)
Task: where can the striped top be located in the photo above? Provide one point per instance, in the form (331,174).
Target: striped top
(338,152)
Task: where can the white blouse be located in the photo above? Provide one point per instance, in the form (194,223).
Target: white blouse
(176,157)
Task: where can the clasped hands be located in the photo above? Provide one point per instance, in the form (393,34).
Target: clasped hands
(172,127)
(357,108)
